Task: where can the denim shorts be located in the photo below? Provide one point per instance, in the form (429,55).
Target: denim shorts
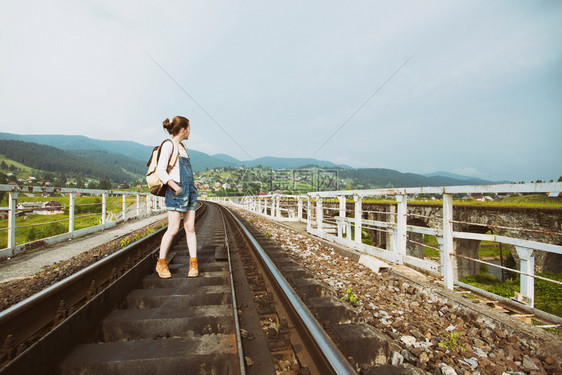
(184,201)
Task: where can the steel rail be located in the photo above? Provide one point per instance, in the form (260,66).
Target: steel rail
(234,306)
(331,354)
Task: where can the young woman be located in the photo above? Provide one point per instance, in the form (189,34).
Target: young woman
(181,194)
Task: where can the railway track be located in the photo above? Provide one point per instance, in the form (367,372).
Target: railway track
(252,310)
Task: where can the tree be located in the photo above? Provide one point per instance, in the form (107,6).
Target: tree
(104,185)
(79,182)
(61,180)
(3,165)
(49,176)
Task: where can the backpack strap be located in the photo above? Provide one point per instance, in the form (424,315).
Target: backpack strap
(173,156)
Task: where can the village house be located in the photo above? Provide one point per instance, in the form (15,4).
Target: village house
(50,208)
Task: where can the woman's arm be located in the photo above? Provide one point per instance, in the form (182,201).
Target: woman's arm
(161,170)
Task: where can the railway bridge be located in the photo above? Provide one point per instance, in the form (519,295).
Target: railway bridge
(397,228)
(529,223)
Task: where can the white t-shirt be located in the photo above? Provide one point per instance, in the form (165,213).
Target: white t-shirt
(165,152)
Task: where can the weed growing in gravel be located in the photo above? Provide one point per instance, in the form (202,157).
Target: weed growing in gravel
(267,234)
(349,297)
(136,237)
(125,242)
(451,342)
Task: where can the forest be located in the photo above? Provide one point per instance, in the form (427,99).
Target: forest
(94,164)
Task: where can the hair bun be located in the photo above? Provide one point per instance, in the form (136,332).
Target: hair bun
(167,124)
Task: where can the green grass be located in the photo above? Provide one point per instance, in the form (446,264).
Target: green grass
(22,171)
(488,249)
(430,241)
(548,296)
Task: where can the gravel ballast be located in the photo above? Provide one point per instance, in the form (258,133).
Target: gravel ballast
(436,330)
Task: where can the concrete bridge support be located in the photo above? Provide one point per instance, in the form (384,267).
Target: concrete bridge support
(552,262)
(467,248)
(413,249)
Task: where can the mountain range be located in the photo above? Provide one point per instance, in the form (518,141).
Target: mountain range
(128,159)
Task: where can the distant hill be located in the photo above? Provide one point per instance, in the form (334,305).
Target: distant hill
(93,164)
(78,142)
(131,165)
(378,177)
(133,150)
(278,163)
(474,180)
(229,160)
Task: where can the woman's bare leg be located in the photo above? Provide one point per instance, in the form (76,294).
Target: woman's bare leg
(189,225)
(174,218)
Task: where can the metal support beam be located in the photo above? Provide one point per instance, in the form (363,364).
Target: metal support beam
(341,228)
(103,208)
(358,217)
(401,220)
(447,262)
(309,214)
(319,214)
(527,265)
(124,207)
(13,202)
(71,197)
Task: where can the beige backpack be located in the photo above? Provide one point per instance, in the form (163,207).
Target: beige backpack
(155,185)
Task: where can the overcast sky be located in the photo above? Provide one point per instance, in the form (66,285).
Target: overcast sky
(481,96)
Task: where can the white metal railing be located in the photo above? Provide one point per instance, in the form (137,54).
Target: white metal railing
(345,230)
(107,219)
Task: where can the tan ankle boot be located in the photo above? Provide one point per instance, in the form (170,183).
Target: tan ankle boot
(162,269)
(193,269)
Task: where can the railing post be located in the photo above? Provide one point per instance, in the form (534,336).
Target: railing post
(103,207)
(299,208)
(71,212)
(148,204)
(319,213)
(341,222)
(527,265)
(259,205)
(358,217)
(124,206)
(401,221)
(13,203)
(446,259)
(441,244)
(272,211)
(278,205)
(309,213)
(138,204)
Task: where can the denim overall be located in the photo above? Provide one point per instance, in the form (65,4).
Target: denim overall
(187,198)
